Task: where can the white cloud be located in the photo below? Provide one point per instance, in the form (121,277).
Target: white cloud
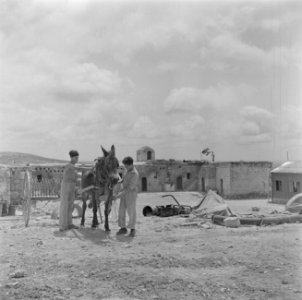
(144,128)
(81,73)
(216,97)
(270,24)
(190,128)
(290,123)
(257,125)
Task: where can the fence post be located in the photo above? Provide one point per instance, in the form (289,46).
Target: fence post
(27,197)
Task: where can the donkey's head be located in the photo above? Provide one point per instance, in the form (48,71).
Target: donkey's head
(107,167)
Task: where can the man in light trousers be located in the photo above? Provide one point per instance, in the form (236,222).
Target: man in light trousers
(68,186)
(128,196)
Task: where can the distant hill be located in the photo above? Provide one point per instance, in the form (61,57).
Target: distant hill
(17,158)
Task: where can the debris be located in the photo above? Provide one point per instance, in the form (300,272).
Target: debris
(39,243)
(12,284)
(190,224)
(17,274)
(255,208)
(206,226)
(284,281)
(233,222)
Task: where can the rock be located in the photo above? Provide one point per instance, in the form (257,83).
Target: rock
(55,213)
(17,274)
(233,222)
(255,208)
(39,243)
(284,281)
(206,226)
(12,285)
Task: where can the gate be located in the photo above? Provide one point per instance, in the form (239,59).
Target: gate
(44,184)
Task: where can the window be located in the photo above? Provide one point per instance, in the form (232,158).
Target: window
(296,186)
(39,178)
(149,155)
(188,175)
(278,185)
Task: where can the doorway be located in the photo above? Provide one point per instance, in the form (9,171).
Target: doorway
(203,185)
(144,184)
(149,155)
(221,186)
(179,185)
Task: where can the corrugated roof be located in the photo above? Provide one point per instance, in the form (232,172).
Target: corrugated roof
(290,167)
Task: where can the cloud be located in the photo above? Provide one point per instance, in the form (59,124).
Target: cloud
(270,24)
(217,97)
(144,128)
(86,81)
(190,128)
(257,125)
(290,123)
(172,73)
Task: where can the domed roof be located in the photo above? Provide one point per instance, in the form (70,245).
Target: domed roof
(145,148)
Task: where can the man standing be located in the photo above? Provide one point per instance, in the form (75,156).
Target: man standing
(68,192)
(128,196)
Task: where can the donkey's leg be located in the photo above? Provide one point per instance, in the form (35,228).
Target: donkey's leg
(84,206)
(108,205)
(100,212)
(95,222)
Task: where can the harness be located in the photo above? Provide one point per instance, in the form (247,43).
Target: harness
(104,175)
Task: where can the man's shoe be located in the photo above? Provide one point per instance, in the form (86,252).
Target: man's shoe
(132,233)
(122,231)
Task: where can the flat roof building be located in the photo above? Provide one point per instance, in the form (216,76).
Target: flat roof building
(286,181)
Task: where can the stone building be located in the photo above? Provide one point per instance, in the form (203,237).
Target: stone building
(145,154)
(230,179)
(286,181)
(243,179)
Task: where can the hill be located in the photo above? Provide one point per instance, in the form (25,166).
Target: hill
(9,158)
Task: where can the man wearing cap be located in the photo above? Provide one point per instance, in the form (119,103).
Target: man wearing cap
(68,192)
(128,197)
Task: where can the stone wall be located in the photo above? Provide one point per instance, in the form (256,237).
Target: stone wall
(223,179)
(244,179)
(16,185)
(5,185)
(251,179)
(207,178)
(142,154)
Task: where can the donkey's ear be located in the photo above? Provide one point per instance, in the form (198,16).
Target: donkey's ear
(113,150)
(104,151)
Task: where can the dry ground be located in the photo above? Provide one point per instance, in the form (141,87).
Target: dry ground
(166,260)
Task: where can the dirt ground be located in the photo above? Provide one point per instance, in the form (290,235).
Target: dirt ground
(168,258)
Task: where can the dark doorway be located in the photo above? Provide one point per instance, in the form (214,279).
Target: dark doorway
(179,186)
(144,184)
(149,155)
(221,186)
(203,185)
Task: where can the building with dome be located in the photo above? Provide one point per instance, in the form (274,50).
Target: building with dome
(145,154)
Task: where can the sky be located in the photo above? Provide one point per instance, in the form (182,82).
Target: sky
(178,76)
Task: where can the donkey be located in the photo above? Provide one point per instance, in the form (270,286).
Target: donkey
(99,181)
